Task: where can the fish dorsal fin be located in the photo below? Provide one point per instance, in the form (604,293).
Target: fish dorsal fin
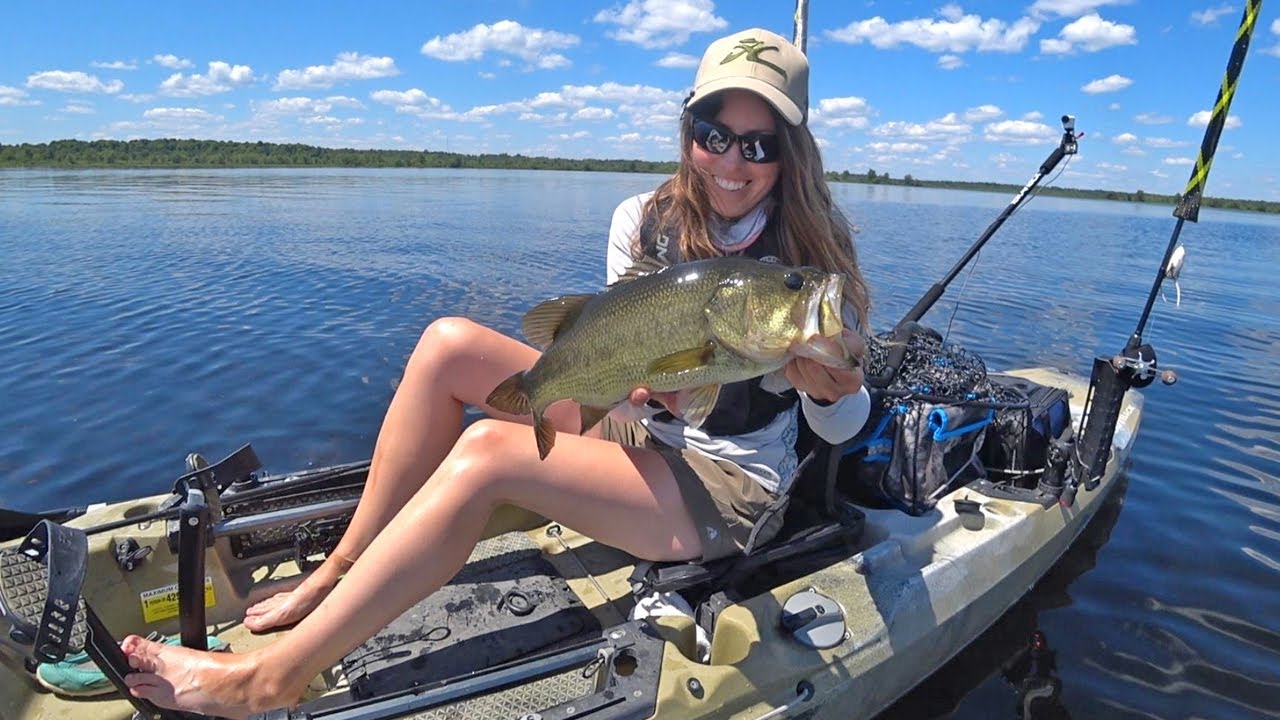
(698,403)
(545,321)
(684,360)
(645,265)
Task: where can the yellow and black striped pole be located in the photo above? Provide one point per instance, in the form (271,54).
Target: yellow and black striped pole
(1189,204)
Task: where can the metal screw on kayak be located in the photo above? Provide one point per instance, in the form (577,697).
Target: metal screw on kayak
(193,521)
(695,688)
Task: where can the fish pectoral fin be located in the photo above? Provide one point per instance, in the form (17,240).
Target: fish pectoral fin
(547,319)
(698,403)
(591,416)
(683,360)
(511,396)
(544,431)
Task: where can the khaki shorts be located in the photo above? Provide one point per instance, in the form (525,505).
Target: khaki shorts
(727,505)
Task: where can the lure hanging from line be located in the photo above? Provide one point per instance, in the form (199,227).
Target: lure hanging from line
(1171,272)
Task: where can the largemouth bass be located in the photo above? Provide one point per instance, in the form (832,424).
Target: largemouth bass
(689,327)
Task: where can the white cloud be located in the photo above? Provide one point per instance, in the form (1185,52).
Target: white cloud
(1112,167)
(594,113)
(954,33)
(1113,106)
(222,77)
(183,114)
(1090,33)
(1033,115)
(14,96)
(661,23)
(173,62)
(1046,9)
(1162,142)
(949,128)
(897,147)
(1110,83)
(1152,119)
(306,105)
(1179,161)
(72,82)
(347,66)
(76,108)
(1125,139)
(418,103)
(114,65)
(677,60)
(950,62)
(846,112)
(982,113)
(533,45)
(1209,16)
(1019,132)
(1201,119)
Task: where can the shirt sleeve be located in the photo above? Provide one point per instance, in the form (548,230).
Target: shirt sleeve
(623,230)
(840,420)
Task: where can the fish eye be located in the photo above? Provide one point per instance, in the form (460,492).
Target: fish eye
(793,281)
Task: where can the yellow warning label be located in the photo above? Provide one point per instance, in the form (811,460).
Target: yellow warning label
(162,603)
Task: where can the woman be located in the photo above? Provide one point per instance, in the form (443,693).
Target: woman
(750,180)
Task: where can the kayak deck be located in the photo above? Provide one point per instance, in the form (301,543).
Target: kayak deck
(913,591)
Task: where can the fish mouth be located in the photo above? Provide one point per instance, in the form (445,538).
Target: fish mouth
(822,313)
(823,326)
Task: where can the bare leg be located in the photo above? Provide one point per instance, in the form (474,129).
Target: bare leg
(625,497)
(456,362)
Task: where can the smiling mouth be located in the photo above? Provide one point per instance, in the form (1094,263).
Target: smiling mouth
(729,185)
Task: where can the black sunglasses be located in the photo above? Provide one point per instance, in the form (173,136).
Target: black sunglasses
(756,147)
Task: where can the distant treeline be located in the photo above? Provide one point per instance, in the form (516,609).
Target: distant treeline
(172,153)
(221,154)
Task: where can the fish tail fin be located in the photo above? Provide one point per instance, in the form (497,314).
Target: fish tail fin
(511,396)
(545,433)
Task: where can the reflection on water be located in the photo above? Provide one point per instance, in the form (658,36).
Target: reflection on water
(144,315)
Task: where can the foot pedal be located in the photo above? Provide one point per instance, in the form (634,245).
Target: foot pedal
(40,595)
(40,591)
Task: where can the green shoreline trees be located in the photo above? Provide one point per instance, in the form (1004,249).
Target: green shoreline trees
(174,153)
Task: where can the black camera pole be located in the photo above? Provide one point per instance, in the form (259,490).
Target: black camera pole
(908,324)
(1135,366)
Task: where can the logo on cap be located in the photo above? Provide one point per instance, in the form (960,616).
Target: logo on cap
(751,49)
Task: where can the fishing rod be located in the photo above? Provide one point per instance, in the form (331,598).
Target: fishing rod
(1135,366)
(909,324)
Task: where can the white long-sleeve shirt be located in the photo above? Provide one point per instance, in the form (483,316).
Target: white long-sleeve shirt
(768,455)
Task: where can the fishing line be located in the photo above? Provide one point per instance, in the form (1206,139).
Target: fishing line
(977,258)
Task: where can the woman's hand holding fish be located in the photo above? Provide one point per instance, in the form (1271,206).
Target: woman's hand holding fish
(640,396)
(824,383)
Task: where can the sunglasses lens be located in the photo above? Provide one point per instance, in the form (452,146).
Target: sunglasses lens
(761,148)
(716,139)
(711,137)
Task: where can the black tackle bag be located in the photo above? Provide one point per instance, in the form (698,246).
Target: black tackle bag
(1030,416)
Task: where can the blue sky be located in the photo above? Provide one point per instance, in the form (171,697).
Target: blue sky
(938,90)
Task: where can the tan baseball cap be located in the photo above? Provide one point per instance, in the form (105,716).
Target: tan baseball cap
(763,62)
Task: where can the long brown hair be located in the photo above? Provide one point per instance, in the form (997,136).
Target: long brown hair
(811,228)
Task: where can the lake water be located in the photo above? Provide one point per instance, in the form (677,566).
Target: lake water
(148,314)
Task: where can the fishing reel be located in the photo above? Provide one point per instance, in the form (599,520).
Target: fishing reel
(1138,365)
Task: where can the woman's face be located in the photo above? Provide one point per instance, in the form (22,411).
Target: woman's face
(733,184)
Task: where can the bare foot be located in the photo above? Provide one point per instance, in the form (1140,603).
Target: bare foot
(215,684)
(286,608)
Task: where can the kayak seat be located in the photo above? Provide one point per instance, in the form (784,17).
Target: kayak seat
(819,527)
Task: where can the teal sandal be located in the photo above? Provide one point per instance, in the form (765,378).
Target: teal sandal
(78,676)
